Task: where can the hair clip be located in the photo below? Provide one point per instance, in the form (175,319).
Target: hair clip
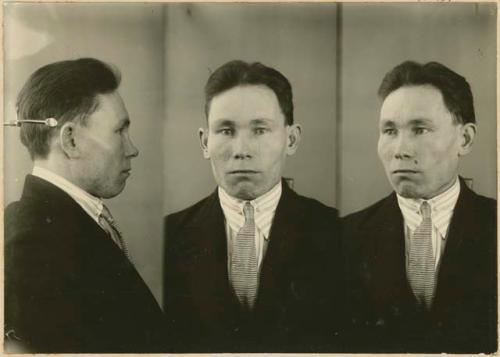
(50,122)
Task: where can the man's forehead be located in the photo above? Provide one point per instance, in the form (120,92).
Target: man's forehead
(414,102)
(246,97)
(249,115)
(236,122)
(112,101)
(111,107)
(109,98)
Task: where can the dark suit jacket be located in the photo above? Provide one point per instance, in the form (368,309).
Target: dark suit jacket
(68,287)
(463,316)
(298,307)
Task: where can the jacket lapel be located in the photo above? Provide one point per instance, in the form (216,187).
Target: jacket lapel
(284,236)
(385,262)
(462,225)
(206,245)
(91,245)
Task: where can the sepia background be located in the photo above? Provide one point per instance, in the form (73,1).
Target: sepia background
(335,56)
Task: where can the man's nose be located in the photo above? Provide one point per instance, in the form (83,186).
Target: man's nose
(403,147)
(130,149)
(242,147)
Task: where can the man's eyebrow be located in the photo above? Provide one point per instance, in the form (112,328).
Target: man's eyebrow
(258,121)
(223,122)
(416,121)
(420,121)
(387,122)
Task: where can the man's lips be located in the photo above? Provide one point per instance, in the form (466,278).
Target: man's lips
(405,171)
(242,172)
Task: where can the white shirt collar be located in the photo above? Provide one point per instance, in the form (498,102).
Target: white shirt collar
(264,209)
(442,207)
(91,204)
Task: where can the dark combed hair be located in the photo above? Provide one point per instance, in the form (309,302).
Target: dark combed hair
(457,95)
(66,91)
(239,73)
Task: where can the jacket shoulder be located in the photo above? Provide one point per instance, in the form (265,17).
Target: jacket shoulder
(360,217)
(190,214)
(317,225)
(482,209)
(315,207)
(22,210)
(22,217)
(485,203)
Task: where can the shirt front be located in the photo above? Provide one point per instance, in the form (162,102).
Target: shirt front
(442,207)
(90,204)
(264,210)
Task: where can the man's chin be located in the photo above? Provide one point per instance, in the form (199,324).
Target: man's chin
(246,191)
(407,189)
(245,194)
(112,192)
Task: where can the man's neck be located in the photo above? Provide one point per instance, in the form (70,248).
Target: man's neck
(454,185)
(91,204)
(444,189)
(57,168)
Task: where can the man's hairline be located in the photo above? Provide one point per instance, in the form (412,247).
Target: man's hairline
(208,104)
(455,119)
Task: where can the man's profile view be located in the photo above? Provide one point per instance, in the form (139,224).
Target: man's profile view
(69,283)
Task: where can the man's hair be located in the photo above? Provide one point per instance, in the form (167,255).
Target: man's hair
(66,91)
(456,92)
(239,73)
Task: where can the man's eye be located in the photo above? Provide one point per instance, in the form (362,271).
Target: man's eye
(389,131)
(420,131)
(226,131)
(260,131)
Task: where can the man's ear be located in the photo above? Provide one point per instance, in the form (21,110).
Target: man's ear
(467,135)
(203,136)
(294,132)
(67,140)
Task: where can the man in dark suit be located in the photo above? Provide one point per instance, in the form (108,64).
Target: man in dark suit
(253,267)
(69,283)
(423,260)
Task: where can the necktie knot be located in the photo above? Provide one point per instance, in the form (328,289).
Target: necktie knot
(106,214)
(248,212)
(108,224)
(425,210)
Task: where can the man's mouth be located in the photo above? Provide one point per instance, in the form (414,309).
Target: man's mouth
(404,171)
(242,172)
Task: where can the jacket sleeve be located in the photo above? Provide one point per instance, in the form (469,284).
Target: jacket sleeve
(38,312)
(175,299)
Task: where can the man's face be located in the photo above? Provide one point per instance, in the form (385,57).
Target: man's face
(419,143)
(105,148)
(247,140)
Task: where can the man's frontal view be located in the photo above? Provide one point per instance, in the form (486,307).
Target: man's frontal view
(243,266)
(247,140)
(70,285)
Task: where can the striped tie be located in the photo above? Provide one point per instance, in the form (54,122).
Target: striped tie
(244,275)
(421,265)
(108,223)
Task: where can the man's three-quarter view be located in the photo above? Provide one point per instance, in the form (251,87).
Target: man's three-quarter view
(423,261)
